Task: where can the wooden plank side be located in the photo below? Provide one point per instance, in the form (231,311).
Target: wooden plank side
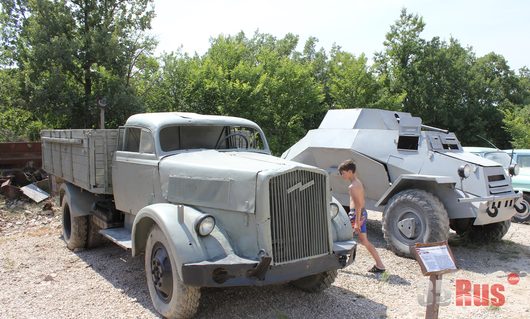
(86,165)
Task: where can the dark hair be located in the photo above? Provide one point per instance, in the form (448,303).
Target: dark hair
(347,165)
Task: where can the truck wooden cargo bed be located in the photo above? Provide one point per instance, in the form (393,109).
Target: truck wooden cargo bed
(80,156)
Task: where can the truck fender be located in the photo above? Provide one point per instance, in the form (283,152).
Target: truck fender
(341,226)
(79,201)
(177,222)
(407,181)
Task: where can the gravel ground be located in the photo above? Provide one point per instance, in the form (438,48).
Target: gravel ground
(40,278)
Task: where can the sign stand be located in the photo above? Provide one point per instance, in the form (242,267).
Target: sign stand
(435,259)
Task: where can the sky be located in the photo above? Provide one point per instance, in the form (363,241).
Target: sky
(501,26)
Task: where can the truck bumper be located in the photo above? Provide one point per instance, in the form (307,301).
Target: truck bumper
(494,209)
(236,271)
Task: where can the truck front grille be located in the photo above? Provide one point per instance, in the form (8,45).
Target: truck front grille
(299,216)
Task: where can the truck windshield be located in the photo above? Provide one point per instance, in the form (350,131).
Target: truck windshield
(173,138)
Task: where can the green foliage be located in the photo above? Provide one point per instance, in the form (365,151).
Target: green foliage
(58,57)
(260,78)
(517,122)
(19,125)
(70,53)
(446,85)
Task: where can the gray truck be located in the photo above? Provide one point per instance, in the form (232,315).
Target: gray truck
(419,176)
(202,198)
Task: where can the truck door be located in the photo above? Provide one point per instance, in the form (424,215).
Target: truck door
(135,170)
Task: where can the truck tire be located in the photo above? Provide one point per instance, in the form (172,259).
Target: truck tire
(523,216)
(94,238)
(75,229)
(170,297)
(316,283)
(488,233)
(414,216)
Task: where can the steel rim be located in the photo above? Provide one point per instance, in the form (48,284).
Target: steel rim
(406,213)
(161,272)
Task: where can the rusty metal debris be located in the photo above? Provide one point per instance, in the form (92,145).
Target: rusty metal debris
(21,173)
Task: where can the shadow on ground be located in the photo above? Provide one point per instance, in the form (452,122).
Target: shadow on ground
(277,301)
(505,255)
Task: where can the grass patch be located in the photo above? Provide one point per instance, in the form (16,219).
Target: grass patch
(494,308)
(385,276)
(281,315)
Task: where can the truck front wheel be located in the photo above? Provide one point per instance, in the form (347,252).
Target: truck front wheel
(171,298)
(316,283)
(414,216)
(75,229)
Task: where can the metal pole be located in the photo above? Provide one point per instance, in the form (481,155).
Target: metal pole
(101,117)
(433,307)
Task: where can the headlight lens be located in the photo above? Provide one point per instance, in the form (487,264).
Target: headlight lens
(333,210)
(513,169)
(205,225)
(464,171)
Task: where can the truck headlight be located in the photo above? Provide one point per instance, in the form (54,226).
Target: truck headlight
(204,225)
(333,210)
(464,171)
(513,169)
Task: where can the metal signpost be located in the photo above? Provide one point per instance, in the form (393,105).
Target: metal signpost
(102,103)
(435,259)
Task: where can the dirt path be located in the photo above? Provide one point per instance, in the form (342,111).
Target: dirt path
(40,278)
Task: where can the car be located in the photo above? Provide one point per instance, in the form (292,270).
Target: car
(520,156)
(520,182)
(491,153)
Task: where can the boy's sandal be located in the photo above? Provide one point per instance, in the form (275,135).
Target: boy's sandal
(376,269)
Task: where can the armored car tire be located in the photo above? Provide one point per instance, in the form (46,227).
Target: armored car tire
(316,283)
(75,229)
(523,212)
(488,233)
(170,297)
(414,216)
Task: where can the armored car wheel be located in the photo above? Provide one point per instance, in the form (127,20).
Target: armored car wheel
(414,216)
(523,211)
(489,232)
(75,229)
(170,297)
(316,283)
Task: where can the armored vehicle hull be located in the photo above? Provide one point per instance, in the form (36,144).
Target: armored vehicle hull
(419,176)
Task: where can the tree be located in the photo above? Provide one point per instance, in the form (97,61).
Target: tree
(71,52)
(446,85)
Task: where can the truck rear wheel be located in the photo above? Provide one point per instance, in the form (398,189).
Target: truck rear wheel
(170,297)
(488,233)
(524,214)
(316,283)
(75,229)
(414,216)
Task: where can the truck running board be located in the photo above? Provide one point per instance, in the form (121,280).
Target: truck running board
(120,236)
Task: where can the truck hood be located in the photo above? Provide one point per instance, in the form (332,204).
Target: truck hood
(223,180)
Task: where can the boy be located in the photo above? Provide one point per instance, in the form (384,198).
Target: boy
(347,170)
